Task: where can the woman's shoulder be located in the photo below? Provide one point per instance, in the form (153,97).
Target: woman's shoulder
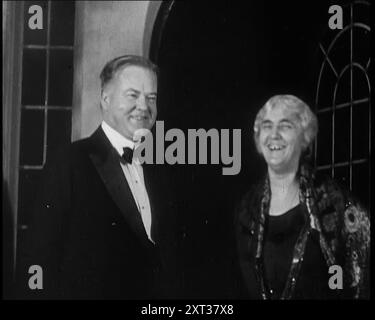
(331,194)
(343,215)
(248,205)
(253,193)
(338,207)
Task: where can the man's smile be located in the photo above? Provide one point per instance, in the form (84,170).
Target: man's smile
(140,118)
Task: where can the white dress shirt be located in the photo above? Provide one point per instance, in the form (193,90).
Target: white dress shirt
(134,175)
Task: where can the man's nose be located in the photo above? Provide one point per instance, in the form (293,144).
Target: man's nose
(142,102)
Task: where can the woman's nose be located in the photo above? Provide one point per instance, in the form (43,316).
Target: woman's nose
(275,132)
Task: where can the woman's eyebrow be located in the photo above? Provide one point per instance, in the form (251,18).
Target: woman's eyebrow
(266,121)
(286,120)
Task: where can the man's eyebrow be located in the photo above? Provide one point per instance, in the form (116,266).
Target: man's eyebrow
(138,92)
(266,121)
(132,89)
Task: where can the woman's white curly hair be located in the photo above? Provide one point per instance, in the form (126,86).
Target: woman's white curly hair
(307,119)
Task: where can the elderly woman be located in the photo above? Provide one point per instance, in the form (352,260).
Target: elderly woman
(298,236)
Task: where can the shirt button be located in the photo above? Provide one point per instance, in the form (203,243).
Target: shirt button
(143,207)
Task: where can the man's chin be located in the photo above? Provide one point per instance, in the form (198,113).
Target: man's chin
(141,125)
(139,134)
(140,129)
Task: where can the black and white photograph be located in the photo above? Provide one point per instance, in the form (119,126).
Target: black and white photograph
(174,151)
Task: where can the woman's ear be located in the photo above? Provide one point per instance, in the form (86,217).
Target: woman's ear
(306,150)
(255,141)
(305,142)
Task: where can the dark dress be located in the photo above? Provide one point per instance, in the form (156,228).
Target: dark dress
(280,237)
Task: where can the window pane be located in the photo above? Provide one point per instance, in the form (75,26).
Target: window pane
(342,134)
(324,138)
(29,181)
(361,183)
(361,120)
(343,89)
(31,145)
(326,173)
(35,36)
(361,36)
(340,52)
(362,12)
(62,23)
(326,87)
(34,77)
(60,78)
(59,129)
(361,89)
(342,176)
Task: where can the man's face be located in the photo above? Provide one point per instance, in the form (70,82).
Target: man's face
(129,100)
(281,139)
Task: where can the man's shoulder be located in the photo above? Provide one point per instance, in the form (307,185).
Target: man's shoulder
(82,146)
(71,153)
(72,150)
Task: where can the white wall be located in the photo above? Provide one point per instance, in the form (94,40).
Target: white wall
(105,30)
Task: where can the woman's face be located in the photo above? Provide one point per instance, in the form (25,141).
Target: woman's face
(281,139)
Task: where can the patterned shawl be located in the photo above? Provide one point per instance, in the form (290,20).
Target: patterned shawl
(343,226)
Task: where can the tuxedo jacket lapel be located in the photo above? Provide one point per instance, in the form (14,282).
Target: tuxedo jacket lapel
(106,161)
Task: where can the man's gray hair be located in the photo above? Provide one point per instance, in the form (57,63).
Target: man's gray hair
(112,67)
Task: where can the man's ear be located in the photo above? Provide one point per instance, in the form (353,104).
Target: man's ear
(105,99)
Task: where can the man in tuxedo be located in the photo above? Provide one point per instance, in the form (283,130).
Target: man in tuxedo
(98,226)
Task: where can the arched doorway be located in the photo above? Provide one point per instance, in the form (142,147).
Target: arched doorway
(219,63)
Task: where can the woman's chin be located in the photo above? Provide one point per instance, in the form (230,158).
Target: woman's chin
(274,163)
(278,166)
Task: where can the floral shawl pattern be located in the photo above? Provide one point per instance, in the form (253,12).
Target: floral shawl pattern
(342,223)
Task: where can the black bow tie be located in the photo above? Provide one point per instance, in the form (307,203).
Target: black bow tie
(127,155)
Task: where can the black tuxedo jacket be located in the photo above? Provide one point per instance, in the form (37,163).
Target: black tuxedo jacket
(87,233)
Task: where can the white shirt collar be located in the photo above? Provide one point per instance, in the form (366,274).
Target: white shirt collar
(117,140)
